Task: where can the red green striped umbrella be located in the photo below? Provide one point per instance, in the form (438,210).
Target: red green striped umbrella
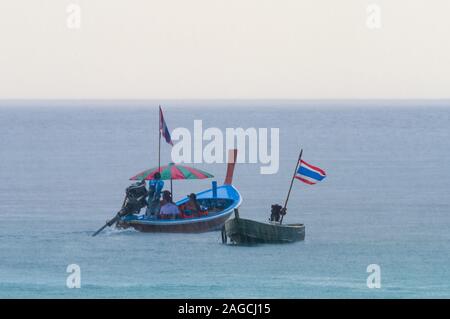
(172,171)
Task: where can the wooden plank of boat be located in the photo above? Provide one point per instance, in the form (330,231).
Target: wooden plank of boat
(246,231)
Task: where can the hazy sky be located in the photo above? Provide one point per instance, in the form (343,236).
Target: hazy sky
(145,49)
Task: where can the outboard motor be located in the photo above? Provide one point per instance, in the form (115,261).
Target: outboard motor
(135,199)
(133,203)
(276,212)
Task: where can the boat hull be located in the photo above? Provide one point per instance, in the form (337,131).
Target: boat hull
(198,226)
(220,203)
(245,231)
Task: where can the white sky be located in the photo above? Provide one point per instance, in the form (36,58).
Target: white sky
(294,49)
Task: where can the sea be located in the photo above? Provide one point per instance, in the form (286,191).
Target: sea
(382,214)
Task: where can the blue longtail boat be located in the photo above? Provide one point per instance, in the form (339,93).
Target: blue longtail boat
(216,203)
(219,203)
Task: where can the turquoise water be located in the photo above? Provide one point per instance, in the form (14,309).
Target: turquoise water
(385,201)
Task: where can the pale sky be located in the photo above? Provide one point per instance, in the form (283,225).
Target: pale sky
(237,49)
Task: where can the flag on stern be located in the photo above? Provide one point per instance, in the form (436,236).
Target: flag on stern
(163,127)
(309,174)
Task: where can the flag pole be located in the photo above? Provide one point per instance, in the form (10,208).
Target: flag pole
(292,182)
(159,153)
(159,142)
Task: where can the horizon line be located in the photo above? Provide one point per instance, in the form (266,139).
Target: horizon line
(230,102)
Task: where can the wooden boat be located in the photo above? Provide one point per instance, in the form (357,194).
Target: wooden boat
(246,231)
(219,202)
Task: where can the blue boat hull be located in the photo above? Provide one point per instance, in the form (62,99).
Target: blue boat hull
(220,203)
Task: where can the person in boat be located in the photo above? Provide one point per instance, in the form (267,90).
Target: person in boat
(168,208)
(192,207)
(155,187)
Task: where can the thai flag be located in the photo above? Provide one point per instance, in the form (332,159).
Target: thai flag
(163,127)
(309,174)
